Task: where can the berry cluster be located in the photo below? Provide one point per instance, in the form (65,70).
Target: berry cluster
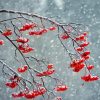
(12,84)
(77,65)
(7,32)
(42,31)
(64,36)
(27,26)
(89,78)
(25,48)
(50,70)
(22,40)
(22,69)
(61,88)
(30,94)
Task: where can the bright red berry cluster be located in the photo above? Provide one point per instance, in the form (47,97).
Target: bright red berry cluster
(84,44)
(18,95)
(35,93)
(64,36)
(79,49)
(61,88)
(22,40)
(45,73)
(40,32)
(80,38)
(89,78)
(90,67)
(27,26)
(22,69)
(12,84)
(25,48)
(52,28)
(7,32)
(30,94)
(77,65)
(85,55)
(50,70)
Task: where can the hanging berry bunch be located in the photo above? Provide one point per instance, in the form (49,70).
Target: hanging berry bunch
(21,38)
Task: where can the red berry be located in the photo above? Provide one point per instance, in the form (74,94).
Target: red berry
(77,65)
(94,78)
(7,32)
(40,74)
(27,50)
(51,71)
(86,57)
(18,95)
(81,60)
(50,66)
(80,38)
(86,53)
(22,69)
(85,33)
(84,44)
(21,47)
(90,67)
(25,67)
(11,84)
(46,73)
(33,32)
(27,26)
(52,28)
(64,37)
(79,49)
(1,42)
(86,78)
(40,32)
(22,40)
(61,88)
(89,78)
(30,95)
(41,90)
